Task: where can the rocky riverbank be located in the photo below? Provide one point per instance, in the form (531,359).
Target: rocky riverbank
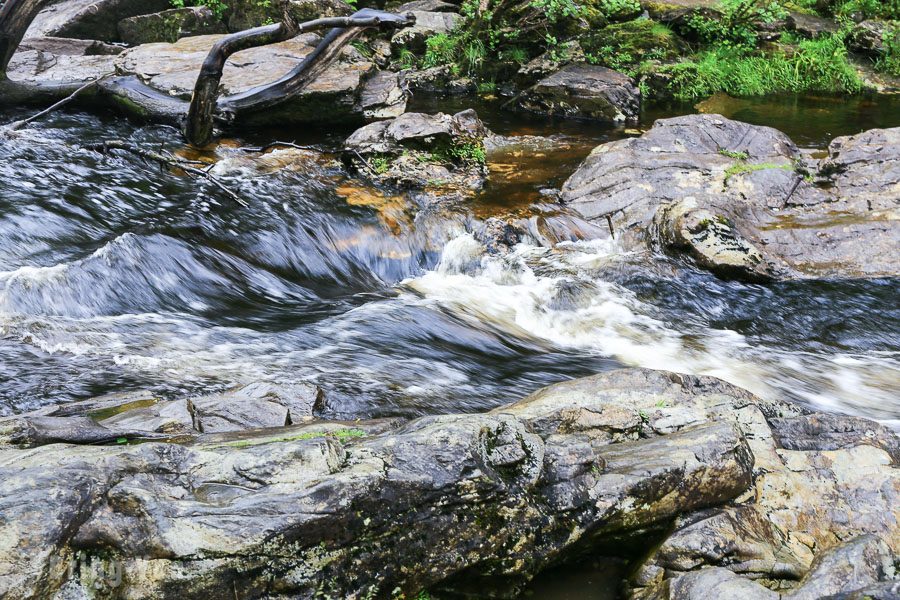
(737,495)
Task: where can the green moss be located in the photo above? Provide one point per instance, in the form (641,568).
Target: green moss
(625,44)
(743,168)
(732,154)
(341,434)
(889,61)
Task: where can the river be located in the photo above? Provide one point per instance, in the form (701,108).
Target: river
(117,276)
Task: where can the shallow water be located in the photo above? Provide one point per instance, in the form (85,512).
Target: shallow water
(116,276)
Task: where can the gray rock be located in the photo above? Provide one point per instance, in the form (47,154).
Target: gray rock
(859,563)
(717,583)
(730,196)
(496,495)
(583,91)
(245,14)
(823,431)
(69,47)
(169,25)
(90,19)
(440,79)
(428,6)
(173,417)
(255,405)
(811,26)
(349,90)
(417,150)
(868,37)
(427,24)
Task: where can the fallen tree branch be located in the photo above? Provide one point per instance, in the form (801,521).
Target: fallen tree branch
(166,160)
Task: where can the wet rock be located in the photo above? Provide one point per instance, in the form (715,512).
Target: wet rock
(861,562)
(62,60)
(90,19)
(256,405)
(734,197)
(245,14)
(173,417)
(823,431)
(811,26)
(349,90)
(169,25)
(417,150)
(496,496)
(427,24)
(583,91)
(29,431)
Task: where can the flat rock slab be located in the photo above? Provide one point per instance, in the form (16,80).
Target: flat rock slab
(583,91)
(739,200)
(90,19)
(334,95)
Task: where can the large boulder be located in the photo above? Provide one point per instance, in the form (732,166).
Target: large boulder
(351,89)
(428,23)
(476,503)
(169,25)
(583,91)
(738,200)
(90,19)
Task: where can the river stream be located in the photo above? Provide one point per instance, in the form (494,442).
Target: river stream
(117,276)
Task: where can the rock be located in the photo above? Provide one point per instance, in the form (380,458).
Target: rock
(868,37)
(90,19)
(733,197)
(550,62)
(417,150)
(69,47)
(823,431)
(427,24)
(256,405)
(811,26)
(169,25)
(861,562)
(633,42)
(428,6)
(173,417)
(31,431)
(492,498)
(245,14)
(349,90)
(583,91)
(440,79)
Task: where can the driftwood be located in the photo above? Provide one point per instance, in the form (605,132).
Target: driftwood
(197,117)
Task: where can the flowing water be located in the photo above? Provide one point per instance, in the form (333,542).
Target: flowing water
(116,275)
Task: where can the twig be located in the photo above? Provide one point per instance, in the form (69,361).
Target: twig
(16,125)
(166,160)
(609,222)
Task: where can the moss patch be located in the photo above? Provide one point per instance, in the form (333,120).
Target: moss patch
(631,43)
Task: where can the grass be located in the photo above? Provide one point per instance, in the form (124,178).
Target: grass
(815,65)
(732,154)
(743,168)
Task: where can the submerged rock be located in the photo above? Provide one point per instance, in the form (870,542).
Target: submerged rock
(477,502)
(583,91)
(418,151)
(90,19)
(736,198)
(169,25)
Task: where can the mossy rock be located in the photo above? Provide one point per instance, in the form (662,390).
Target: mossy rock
(632,43)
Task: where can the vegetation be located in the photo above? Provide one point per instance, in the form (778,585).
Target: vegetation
(340,434)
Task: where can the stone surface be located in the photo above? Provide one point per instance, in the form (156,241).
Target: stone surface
(583,91)
(61,60)
(868,37)
(417,150)
(499,495)
(169,25)
(350,89)
(245,14)
(736,199)
(427,24)
(90,19)
(356,509)
(811,26)
(256,405)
